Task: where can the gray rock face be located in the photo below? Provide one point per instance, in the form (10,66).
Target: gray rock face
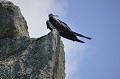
(25,58)
(22,57)
(12,23)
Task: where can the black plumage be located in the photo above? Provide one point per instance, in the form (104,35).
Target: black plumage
(64,29)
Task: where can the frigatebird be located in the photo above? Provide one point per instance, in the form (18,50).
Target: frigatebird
(63,29)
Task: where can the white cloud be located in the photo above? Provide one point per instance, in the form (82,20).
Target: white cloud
(36,13)
(74,56)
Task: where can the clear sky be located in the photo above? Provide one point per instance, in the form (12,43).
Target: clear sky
(98,58)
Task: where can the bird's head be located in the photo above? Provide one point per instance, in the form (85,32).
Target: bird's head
(51,15)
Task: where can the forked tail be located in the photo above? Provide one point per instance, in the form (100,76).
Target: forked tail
(89,38)
(80,41)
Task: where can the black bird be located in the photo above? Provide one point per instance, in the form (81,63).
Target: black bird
(63,29)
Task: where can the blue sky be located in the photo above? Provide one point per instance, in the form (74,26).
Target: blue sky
(98,58)
(99,19)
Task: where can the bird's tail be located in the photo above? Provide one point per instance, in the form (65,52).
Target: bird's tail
(77,34)
(80,41)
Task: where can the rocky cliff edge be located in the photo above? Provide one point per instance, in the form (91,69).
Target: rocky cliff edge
(22,57)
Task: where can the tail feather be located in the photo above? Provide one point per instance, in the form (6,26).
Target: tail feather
(89,38)
(80,41)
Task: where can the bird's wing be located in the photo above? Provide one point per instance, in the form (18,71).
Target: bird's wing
(63,24)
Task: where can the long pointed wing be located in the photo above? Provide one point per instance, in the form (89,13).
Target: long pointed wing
(64,24)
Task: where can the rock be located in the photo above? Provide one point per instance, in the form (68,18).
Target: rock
(25,58)
(12,23)
(22,57)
